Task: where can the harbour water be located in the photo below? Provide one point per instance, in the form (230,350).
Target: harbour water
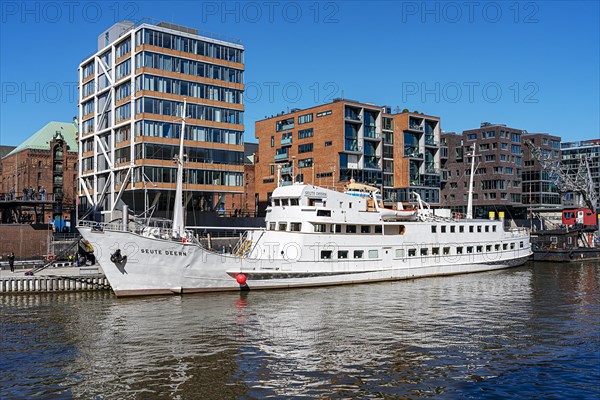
(531,332)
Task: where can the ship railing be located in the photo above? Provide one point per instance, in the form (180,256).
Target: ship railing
(518,231)
(158,232)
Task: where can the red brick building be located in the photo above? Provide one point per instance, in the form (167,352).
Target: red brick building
(329,144)
(46,160)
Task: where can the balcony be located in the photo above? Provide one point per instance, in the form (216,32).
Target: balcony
(286,141)
(351,145)
(286,170)
(430,141)
(412,152)
(281,156)
(372,165)
(352,116)
(415,127)
(370,133)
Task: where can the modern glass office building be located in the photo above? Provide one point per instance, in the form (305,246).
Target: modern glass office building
(131,92)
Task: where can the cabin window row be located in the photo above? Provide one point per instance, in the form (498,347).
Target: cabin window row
(286,202)
(461,228)
(345,254)
(424,251)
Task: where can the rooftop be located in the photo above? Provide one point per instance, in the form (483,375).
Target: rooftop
(40,140)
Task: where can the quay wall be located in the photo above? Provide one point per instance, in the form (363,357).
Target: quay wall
(26,241)
(42,284)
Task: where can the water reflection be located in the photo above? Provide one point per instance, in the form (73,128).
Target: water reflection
(528,331)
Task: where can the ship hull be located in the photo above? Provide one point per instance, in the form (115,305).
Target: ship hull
(156,266)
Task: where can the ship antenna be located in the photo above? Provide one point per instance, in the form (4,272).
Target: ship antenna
(470,201)
(178,225)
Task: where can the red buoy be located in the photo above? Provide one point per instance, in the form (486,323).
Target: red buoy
(241,279)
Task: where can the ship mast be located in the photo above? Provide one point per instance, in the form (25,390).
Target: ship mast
(178,225)
(470,200)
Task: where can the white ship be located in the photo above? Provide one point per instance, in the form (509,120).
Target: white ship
(312,237)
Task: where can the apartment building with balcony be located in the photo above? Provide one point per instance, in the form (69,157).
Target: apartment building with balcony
(131,92)
(539,189)
(571,153)
(329,144)
(498,172)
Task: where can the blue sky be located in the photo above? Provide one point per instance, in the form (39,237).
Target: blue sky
(532,65)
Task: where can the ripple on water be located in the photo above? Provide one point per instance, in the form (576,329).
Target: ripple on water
(528,332)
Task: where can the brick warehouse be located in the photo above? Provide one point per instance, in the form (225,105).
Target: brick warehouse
(47,159)
(329,144)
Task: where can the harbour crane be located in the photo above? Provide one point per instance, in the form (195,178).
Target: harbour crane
(568,180)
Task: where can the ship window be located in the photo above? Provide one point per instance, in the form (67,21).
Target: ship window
(479,249)
(323,213)
(521,244)
(373,254)
(365,229)
(487,228)
(461,229)
(332,228)
(350,205)
(399,253)
(402,229)
(512,246)
(446,251)
(282,226)
(478,228)
(326,254)
(443,228)
(320,228)
(452,229)
(504,246)
(470,228)
(338,229)
(459,250)
(569,240)
(276,202)
(435,251)
(295,226)
(494,228)
(433,228)
(497,247)
(272,226)
(358,253)
(294,202)
(412,252)
(488,247)
(350,228)
(424,251)
(378,229)
(343,254)
(469,249)
(284,202)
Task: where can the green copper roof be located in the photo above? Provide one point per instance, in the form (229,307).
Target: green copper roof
(41,139)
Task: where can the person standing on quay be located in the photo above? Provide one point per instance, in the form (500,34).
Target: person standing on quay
(43,193)
(11,261)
